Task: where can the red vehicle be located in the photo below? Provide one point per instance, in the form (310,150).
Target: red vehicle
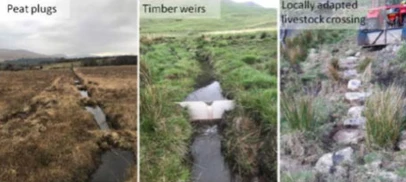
(384,24)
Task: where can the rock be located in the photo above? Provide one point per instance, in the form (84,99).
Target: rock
(358,54)
(355,111)
(340,172)
(356,96)
(390,176)
(350,53)
(349,136)
(329,160)
(348,63)
(312,54)
(402,141)
(324,164)
(354,84)
(356,121)
(343,156)
(374,166)
(350,74)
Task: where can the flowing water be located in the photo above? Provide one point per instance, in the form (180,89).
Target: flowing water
(209,164)
(208,161)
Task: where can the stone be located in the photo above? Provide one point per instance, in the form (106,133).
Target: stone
(350,52)
(374,166)
(356,96)
(354,84)
(350,74)
(343,156)
(324,163)
(329,160)
(355,111)
(390,176)
(358,54)
(349,136)
(356,121)
(348,63)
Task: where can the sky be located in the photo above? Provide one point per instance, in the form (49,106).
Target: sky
(95,27)
(264,3)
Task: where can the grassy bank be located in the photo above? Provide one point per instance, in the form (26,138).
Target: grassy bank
(168,74)
(246,66)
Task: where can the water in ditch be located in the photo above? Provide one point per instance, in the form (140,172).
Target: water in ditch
(99,116)
(115,165)
(208,161)
(115,162)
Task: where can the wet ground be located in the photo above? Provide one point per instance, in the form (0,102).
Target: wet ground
(115,162)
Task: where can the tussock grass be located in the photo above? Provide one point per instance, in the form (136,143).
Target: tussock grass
(54,142)
(364,64)
(298,112)
(168,73)
(333,70)
(402,53)
(296,49)
(384,117)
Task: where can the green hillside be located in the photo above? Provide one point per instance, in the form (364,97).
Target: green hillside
(234,16)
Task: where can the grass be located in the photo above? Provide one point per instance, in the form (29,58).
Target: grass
(364,64)
(234,16)
(168,74)
(52,139)
(298,177)
(298,112)
(13,97)
(384,115)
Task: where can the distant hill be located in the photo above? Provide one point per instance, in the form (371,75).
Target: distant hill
(8,54)
(234,16)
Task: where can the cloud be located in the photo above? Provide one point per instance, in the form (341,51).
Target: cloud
(95,27)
